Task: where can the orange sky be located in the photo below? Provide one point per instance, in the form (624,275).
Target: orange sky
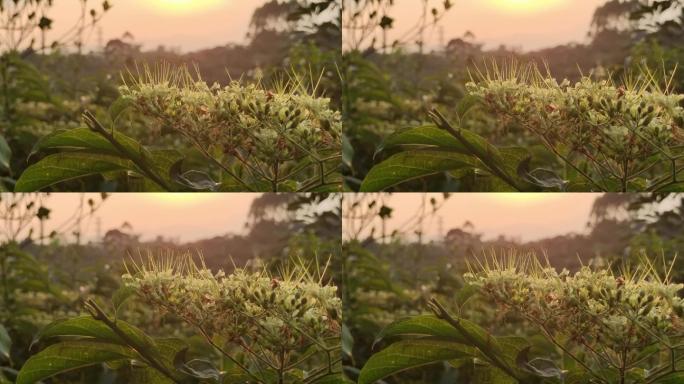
(527,24)
(184,24)
(183,216)
(523,216)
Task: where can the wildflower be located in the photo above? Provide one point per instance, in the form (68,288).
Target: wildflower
(248,121)
(595,308)
(625,124)
(276,314)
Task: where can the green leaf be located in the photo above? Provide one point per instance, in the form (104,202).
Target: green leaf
(427,135)
(87,326)
(464,294)
(62,167)
(425,325)
(408,354)
(118,108)
(169,350)
(5,343)
(412,165)
(477,337)
(121,295)
(70,355)
(5,155)
(483,147)
(86,139)
(465,105)
(481,339)
(163,161)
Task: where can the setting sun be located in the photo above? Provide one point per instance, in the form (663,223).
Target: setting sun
(525,6)
(522,198)
(178,198)
(185,6)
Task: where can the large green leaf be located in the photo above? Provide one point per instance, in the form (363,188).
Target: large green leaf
(412,165)
(118,107)
(426,325)
(70,355)
(61,167)
(487,345)
(5,343)
(409,354)
(87,139)
(426,135)
(478,337)
(164,160)
(87,326)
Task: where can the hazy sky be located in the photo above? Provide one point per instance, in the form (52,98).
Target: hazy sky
(182,216)
(527,24)
(184,24)
(523,216)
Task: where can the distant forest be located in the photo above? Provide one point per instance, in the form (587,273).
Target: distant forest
(280,227)
(276,29)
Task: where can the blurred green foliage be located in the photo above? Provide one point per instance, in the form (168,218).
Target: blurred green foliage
(388,278)
(390,88)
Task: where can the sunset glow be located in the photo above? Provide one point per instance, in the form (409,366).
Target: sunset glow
(523,198)
(525,216)
(185,6)
(525,6)
(178,198)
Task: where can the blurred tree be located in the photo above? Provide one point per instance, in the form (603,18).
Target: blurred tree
(614,15)
(22,20)
(273,16)
(364,21)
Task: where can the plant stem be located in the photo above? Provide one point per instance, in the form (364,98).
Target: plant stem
(224,168)
(227,355)
(442,122)
(98,314)
(276,170)
(281,368)
(443,314)
(570,163)
(137,160)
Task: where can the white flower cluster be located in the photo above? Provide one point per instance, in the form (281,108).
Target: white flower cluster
(243,307)
(609,124)
(593,308)
(242,120)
